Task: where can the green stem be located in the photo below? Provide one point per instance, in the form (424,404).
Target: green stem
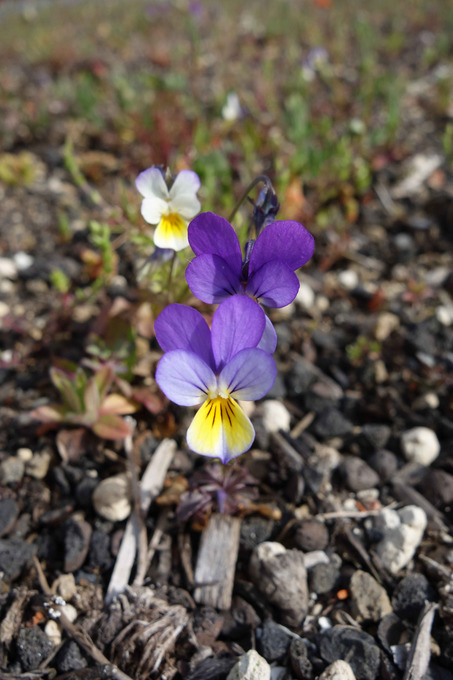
(170,276)
(253,183)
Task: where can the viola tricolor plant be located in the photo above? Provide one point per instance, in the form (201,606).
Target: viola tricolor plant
(214,369)
(218,368)
(169,208)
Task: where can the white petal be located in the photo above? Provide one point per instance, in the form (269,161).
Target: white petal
(186,205)
(153,208)
(187,182)
(151,183)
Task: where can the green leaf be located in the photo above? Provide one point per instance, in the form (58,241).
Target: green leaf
(103,379)
(111,427)
(67,390)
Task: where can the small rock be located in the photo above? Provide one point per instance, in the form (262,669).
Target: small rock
(70,658)
(112,498)
(9,511)
(369,599)
(437,487)
(53,632)
(275,416)
(25,454)
(8,269)
(281,576)
(323,577)
(272,641)
(22,260)
(357,474)
(345,642)
(311,559)
(77,534)
(251,666)
(429,400)
(15,555)
(38,466)
(33,647)
(385,463)
(298,654)
(376,435)
(207,624)
(99,554)
(420,445)
(240,620)
(4,311)
(402,533)
(410,595)
(65,586)
(332,423)
(385,325)
(311,535)
(444,315)
(305,297)
(70,612)
(348,279)
(339,670)
(11,470)
(255,530)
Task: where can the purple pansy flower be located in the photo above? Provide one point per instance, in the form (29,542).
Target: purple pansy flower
(267,271)
(214,369)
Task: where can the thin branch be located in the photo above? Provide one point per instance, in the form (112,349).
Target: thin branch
(252,185)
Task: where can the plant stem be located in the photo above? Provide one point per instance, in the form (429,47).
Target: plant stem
(170,276)
(253,183)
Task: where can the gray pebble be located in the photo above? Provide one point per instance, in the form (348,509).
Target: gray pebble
(323,577)
(281,576)
(70,658)
(437,486)
(15,555)
(357,474)
(385,463)
(272,641)
(311,535)
(300,663)
(33,647)
(370,601)
(332,423)
(409,596)
(353,646)
(11,470)
(9,511)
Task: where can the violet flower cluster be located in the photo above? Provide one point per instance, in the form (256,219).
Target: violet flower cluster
(217,368)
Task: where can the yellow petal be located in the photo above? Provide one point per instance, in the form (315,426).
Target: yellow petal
(171,232)
(220,429)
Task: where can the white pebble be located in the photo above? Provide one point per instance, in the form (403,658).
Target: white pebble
(8,269)
(420,445)
(251,666)
(22,260)
(338,670)
(305,297)
(112,498)
(275,416)
(385,325)
(322,303)
(24,454)
(403,531)
(53,632)
(349,279)
(70,612)
(38,466)
(444,315)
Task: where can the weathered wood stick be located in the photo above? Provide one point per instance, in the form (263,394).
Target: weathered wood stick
(216,562)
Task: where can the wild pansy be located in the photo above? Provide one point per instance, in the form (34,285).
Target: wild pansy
(169,209)
(214,369)
(266,273)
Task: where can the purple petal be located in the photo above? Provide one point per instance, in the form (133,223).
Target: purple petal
(249,375)
(274,284)
(210,234)
(286,241)
(211,279)
(181,327)
(185,378)
(238,323)
(268,340)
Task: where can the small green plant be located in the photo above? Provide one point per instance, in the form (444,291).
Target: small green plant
(86,402)
(363,348)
